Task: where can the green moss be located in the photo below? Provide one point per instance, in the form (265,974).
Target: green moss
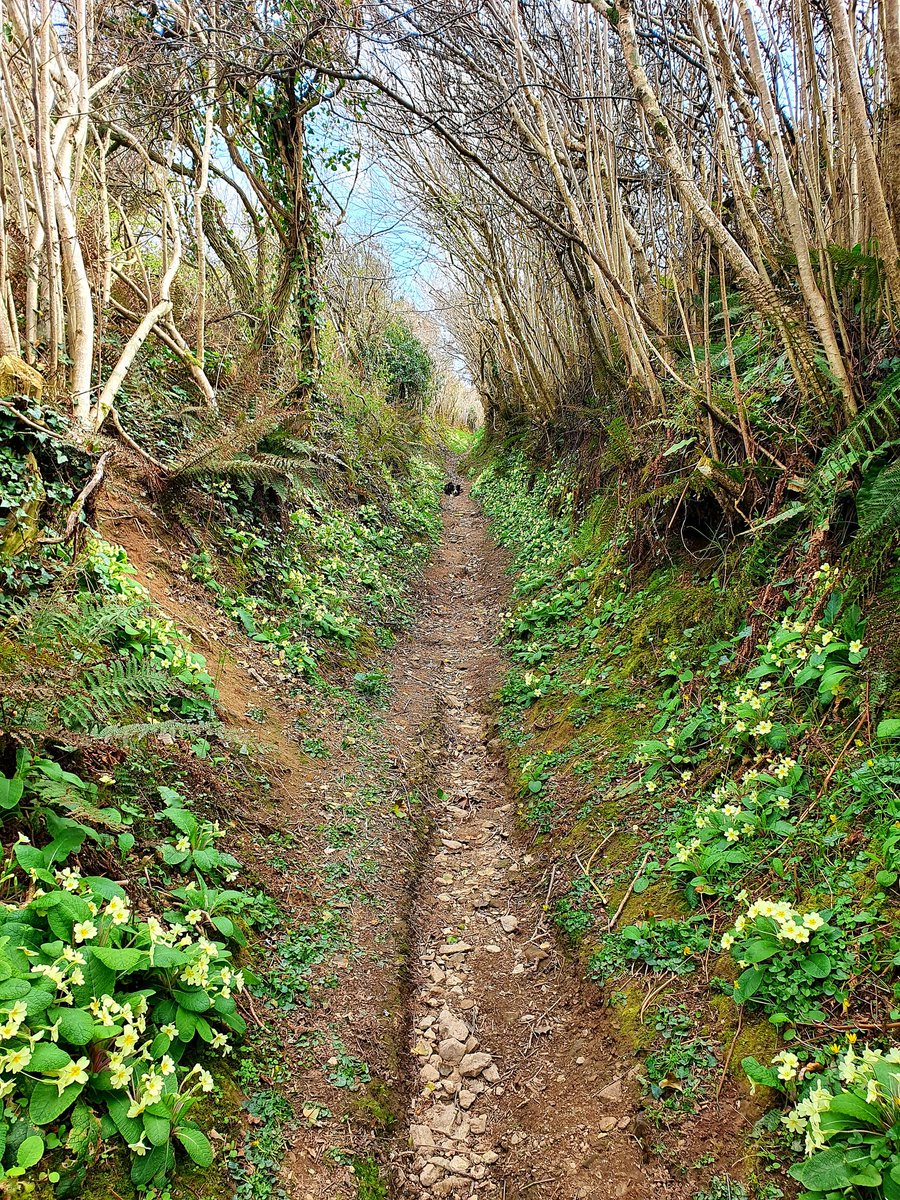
(376,1106)
(755,1039)
(626,1001)
(662,899)
(369,1183)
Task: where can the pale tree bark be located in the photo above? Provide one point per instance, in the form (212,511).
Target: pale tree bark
(859,122)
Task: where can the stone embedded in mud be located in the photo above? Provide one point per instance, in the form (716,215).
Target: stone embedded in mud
(509,923)
(491,1073)
(474,1064)
(421,1137)
(430,1174)
(442,1117)
(477,1125)
(459,1165)
(451,1051)
(454,948)
(466,1099)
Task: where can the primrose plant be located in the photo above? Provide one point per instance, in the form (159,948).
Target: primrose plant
(195,848)
(844,1117)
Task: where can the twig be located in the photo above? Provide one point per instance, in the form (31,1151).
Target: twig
(129,441)
(589,877)
(836,763)
(75,511)
(550,885)
(727,1062)
(627,895)
(38,425)
(655,992)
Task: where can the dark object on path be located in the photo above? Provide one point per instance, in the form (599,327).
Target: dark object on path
(448,488)
(458,490)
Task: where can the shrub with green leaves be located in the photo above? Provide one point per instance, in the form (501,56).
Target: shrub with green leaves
(196,848)
(790,961)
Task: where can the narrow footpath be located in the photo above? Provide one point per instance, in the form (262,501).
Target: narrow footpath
(516,1088)
(493,1070)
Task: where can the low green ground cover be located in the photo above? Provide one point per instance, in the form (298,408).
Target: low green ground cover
(725,782)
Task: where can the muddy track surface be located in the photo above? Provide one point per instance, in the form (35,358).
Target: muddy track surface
(514,1086)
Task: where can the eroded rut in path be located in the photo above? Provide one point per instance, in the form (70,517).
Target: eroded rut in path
(515,1086)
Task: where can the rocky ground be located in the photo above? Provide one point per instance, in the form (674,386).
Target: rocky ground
(515,1091)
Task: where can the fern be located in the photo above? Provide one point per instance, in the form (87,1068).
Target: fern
(139,731)
(118,687)
(262,449)
(867,437)
(63,672)
(878,508)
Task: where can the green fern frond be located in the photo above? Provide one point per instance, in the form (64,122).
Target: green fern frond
(878,508)
(140,731)
(865,438)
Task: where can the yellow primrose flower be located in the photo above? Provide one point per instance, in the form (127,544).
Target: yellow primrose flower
(813,921)
(728,940)
(84,931)
(788,1065)
(120,1076)
(127,1040)
(73,1072)
(118,909)
(15,1061)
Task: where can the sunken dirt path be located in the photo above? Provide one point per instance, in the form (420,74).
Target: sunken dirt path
(516,1086)
(504,1077)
